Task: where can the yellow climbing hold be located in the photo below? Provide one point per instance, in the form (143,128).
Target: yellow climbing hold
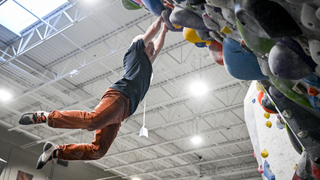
(260,87)
(191,36)
(268,124)
(176,26)
(264,153)
(266,115)
(295,166)
(225,30)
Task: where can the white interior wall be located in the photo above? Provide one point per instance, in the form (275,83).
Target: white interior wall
(25,160)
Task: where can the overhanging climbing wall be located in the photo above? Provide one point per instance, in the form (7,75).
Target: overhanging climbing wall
(282,157)
(276,43)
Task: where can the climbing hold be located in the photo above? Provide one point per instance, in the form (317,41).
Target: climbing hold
(267,171)
(313,79)
(225,30)
(200,44)
(208,21)
(268,124)
(308,16)
(240,62)
(314,47)
(260,87)
(285,87)
(187,18)
(264,66)
(315,102)
(176,26)
(263,18)
(265,83)
(306,168)
(264,153)
(260,169)
(130,5)
(216,36)
(318,13)
(155,6)
(279,122)
(295,166)
(229,15)
(266,115)
(303,41)
(299,88)
(312,91)
(267,104)
(285,63)
(287,113)
(296,47)
(279,126)
(191,36)
(275,93)
(253,101)
(213,13)
(168,5)
(204,35)
(138,1)
(165,16)
(303,134)
(215,52)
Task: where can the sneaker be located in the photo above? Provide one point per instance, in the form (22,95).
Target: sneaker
(34,118)
(47,155)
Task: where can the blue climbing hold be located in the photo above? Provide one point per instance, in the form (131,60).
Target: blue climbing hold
(267,171)
(240,62)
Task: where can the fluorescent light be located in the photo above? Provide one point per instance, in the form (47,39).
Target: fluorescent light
(5,95)
(198,88)
(196,140)
(136,179)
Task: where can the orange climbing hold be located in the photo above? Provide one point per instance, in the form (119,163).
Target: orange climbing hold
(312,91)
(260,96)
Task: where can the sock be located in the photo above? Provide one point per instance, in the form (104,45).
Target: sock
(46,114)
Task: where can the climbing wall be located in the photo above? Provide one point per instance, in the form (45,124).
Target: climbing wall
(276,42)
(282,157)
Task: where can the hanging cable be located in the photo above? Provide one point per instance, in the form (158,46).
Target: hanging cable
(144,114)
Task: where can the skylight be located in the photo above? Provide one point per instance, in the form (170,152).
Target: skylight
(16,18)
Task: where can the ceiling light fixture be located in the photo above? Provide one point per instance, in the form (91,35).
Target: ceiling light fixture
(136,178)
(196,139)
(5,95)
(198,88)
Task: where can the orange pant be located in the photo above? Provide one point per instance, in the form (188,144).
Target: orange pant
(106,119)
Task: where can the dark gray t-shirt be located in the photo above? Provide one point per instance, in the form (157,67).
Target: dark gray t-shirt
(135,82)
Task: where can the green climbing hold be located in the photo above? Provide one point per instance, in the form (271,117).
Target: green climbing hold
(255,43)
(129,5)
(285,87)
